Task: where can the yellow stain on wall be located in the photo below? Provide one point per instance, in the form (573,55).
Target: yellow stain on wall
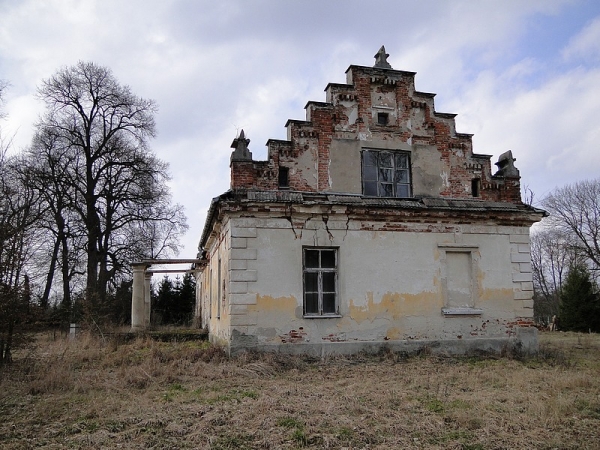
(497,295)
(394,334)
(274,308)
(394,305)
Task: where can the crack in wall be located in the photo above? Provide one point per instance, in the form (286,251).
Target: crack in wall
(347,227)
(288,216)
(325,219)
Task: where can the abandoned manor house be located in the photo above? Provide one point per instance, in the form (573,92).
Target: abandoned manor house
(373,225)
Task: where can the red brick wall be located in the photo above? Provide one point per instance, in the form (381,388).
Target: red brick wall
(427,127)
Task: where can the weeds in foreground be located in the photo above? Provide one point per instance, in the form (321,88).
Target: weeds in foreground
(143,393)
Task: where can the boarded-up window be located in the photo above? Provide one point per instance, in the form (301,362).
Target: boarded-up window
(459,284)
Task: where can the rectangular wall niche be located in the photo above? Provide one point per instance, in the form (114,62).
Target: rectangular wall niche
(459,280)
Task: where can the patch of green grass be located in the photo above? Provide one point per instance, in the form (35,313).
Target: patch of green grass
(456,435)
(83,426)
(299,436)
(473,447)
(587,408)
(435,405)
(459,436)
(114,426)
(177,387)
(233,396)
(459,404)
(173,391)
(289,422)
(345,433)
(233,441)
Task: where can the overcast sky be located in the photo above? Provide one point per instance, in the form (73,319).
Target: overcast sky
(522,75)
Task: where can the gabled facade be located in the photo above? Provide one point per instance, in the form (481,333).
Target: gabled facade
(373,224)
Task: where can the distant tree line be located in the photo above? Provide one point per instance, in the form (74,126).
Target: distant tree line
(566,258)
(83,201)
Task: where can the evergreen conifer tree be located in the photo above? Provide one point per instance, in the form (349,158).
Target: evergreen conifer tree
(580,301)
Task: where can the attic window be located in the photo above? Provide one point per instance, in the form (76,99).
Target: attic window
(386,173)
(284,181)
(382,118)
(475,187)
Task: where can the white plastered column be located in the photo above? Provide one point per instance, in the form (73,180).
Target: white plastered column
(138,317)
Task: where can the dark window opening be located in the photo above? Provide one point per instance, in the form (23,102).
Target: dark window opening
(284,180)
(320,282)
(382,118)
(386,173)
(475,187)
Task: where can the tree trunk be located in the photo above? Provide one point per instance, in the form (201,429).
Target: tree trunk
(50,277)
(66,278)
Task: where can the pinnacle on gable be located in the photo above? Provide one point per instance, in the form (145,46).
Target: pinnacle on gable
(241,152)
(506,166)
(381,59)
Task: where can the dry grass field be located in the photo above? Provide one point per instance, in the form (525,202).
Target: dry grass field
(93,393)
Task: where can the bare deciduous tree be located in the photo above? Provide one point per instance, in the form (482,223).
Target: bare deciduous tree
(18,214)
(552,254)
(97,132)
(575,210)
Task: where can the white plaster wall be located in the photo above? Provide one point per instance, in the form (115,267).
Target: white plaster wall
(390,282)
(217,321)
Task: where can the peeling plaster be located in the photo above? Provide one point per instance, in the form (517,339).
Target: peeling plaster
(445,180)
(395,305)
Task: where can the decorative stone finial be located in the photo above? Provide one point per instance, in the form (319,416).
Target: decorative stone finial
(506,166)
(381,59)
(241,152)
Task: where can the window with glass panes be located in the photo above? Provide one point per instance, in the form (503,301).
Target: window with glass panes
(320,281)
(386,173)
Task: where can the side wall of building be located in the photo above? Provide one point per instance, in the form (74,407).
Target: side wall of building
(392,286)
(212,302)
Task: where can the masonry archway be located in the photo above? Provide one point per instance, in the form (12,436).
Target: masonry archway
(140,295)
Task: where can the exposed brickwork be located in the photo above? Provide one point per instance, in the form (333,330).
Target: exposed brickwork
(351,113)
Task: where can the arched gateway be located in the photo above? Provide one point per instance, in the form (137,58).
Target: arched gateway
(140,296)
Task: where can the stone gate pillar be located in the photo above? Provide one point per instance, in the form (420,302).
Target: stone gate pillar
(147,299)
(138,318)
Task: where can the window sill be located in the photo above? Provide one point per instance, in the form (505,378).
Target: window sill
(328,316)
(462,311)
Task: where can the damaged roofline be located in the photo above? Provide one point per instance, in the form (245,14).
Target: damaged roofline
(210,218)
(431,203)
